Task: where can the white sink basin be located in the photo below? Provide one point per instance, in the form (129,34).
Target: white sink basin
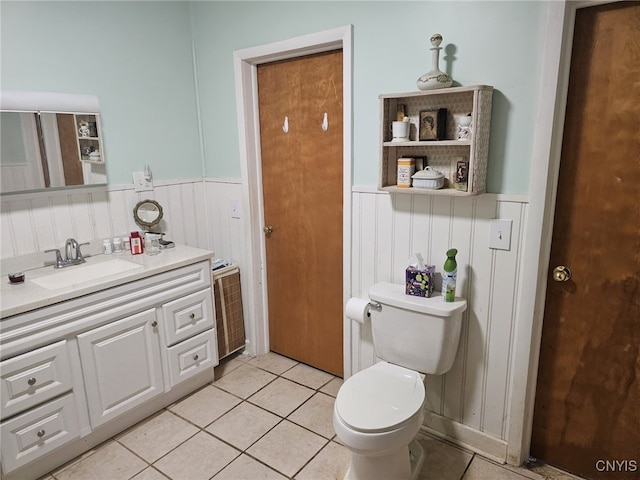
(85,273)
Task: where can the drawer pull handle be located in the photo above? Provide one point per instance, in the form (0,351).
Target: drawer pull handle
(41,433)
(31,381)
(154,324)
(195,357)
(192,316)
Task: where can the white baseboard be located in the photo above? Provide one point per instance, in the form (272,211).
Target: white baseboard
(465,437)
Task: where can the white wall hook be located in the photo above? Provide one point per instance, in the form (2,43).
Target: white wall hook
(285,126)
(325,122)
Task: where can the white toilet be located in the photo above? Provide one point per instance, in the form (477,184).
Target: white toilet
(379,410)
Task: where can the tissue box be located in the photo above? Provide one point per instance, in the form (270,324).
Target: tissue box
(420,282)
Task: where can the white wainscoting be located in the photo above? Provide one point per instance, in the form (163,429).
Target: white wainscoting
(35,222)
(469,404)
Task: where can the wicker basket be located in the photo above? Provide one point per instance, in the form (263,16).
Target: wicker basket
(229,316)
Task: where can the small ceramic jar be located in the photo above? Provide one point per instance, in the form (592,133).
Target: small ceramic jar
(428,178)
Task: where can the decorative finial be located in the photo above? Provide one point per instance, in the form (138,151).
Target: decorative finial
(436,40)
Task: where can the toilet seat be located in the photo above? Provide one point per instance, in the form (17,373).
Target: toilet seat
(380,398)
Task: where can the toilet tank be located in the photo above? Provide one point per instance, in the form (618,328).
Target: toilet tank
(418,333)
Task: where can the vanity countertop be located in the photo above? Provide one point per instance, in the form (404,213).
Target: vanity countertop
(38,291)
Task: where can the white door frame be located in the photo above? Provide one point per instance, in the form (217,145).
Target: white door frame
(547,149)
(246,62)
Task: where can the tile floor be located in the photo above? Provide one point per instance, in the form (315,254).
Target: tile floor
(264,418)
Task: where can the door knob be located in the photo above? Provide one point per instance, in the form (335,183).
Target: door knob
(268,229)
(561,273)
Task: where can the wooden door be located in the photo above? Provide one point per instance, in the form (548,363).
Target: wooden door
(71,164)
(587,399)
(302,181)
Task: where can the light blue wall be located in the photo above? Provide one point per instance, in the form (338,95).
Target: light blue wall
(137,58)
(496,43)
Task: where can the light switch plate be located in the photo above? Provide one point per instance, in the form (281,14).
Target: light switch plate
(500,236)
(234,208)
(140,183)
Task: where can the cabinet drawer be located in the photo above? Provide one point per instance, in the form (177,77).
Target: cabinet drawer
(187,316)
(192,356)
(34,377)
(39,431)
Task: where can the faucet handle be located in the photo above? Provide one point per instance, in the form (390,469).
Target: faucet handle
(79,253)
(59,262)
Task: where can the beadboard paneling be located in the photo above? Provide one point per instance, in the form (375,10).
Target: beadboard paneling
(387,230)
(32,223)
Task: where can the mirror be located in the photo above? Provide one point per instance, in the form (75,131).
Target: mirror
(147,213)
(49,141)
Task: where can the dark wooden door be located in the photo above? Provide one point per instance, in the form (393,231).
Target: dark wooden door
(71,164)
(302,178)
(587,399)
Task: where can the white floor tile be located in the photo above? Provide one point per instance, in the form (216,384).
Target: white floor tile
(330,464)
(442,461)
(246,468)
(316,414)
(287,447)
(199,458)
(273,363)
(308,376)
(205,406)
(243,425)
(111,461)
(150,473)
(245,380)
(281,396)
(157,436)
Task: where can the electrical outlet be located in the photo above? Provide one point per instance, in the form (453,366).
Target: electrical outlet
(500,236)
(140,183)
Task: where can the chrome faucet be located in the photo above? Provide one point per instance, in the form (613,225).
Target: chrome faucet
(72,253)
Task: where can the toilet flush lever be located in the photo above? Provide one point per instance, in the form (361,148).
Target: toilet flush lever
(377,306)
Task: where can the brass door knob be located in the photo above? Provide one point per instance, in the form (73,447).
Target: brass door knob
(268,229)
(561,273)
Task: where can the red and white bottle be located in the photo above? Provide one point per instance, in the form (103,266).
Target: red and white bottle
(136,243)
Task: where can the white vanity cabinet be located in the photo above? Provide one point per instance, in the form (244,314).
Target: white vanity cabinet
(121,364)
(77,372)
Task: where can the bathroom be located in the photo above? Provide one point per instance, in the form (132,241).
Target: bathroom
(164,75)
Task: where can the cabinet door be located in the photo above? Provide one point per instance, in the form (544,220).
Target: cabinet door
(121,365)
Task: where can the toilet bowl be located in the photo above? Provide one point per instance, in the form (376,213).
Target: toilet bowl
(379,410)
(377,413)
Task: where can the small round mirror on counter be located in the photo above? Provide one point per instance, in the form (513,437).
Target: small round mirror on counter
(147,213)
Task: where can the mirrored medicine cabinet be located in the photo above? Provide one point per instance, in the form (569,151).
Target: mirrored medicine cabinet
(49,141)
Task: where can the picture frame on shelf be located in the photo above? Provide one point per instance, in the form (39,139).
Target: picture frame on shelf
(462,175)
(421,161)
(433,125)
